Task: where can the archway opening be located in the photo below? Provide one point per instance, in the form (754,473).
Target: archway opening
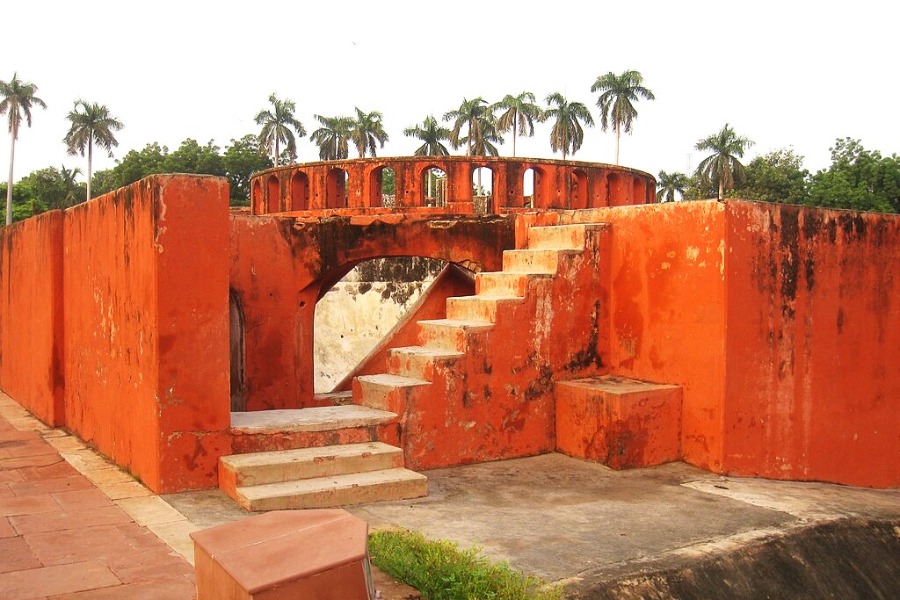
(482,189)
(273,204)
(434,186)
(528,178)
(370,307)
(236,353)
(257,197)
(382,187)
(299,191)
(578,195)
(336,188)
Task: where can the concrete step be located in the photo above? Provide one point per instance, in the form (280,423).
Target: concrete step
(532,261)
(560,237)
(478,308)
(259,468)
(418,362)
(452,334)
(333,398)
(336,490)
(325,418)
(385,391)
(501,283)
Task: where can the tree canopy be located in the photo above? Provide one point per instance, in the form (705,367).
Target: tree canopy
(619,93)
(567,133)
(723,167)
(431,134)
(857,179)
(91,123)
(518,113)
(278,127)
(480,126)
(16,99)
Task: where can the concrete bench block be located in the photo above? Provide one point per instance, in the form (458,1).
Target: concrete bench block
(622,423)
(285,554)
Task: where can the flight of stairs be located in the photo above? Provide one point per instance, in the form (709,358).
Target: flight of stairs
(351,453)
(327,456)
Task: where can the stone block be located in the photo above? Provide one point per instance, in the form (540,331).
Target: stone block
(284,555)
(622,423)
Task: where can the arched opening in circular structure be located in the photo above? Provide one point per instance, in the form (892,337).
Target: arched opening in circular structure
(237,349)
(336,188)
(482,189)
(299,191)
(578,194)
(257,198)
(434,186)
(528,178)
(273,196)
(382,187)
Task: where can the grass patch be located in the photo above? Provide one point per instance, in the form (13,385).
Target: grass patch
(441,571)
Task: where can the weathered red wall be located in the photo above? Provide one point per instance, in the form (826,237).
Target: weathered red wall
(667,314)
(31,315)
(146,330)
(812,378)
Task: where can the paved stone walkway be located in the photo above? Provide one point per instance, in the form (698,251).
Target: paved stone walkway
(73,525)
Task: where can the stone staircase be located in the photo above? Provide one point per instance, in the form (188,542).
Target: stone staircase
(425,404)
(316,458)
(422,381)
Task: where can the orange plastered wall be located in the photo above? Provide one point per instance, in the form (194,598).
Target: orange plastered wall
(667,311)
(145,284)
(813,383)
(31,313)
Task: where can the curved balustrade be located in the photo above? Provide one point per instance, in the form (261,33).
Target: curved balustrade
(357,184)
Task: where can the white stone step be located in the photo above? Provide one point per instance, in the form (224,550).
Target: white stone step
(337,490)
(419,361)
(478,308)
(326,418)
(258,468)
(452,334)
(385,391)
(335,398)
(561,237)
(531,261)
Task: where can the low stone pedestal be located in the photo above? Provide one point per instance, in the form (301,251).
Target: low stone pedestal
(622,423)
(284,555)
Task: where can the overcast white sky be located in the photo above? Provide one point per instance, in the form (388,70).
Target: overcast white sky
(784,74)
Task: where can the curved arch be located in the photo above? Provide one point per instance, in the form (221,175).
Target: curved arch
(273,195)
(299,191)
(336,188)
(578,197)
(256,196)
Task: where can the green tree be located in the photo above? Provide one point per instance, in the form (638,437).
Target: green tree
(618,95)
(478,120)
(431,134)
(366,131)
(670,184)
(778,176)
(191,157)
(722,167)
(333,137)
(136,165)
(242,158)
(53,188)
(518,113)
(857,179)
(16,99)
(567,133)
(91,123)
(278,126)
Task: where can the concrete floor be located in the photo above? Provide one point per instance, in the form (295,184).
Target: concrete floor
(583,524)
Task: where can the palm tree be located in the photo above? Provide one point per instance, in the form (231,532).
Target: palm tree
(567,133)
(277,125)
(366,130)
(69,187)
(619,92)
(431,134)
(723,166)
(17,99)
(333,137)
(91,123)
(669,184)
(481,127)
(519,114)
